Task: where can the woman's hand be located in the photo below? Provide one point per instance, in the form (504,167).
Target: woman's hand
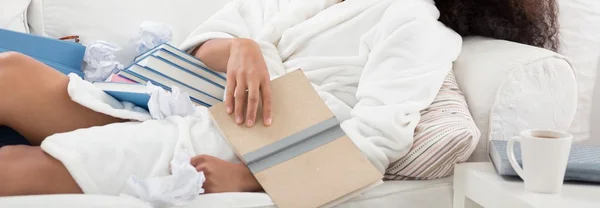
(248,83)
(222,176)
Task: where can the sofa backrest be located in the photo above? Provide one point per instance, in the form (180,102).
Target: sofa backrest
(117,21)
(13,15)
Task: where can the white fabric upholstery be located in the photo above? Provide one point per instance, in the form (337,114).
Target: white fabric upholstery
(117,21)
(13,15)
(421,194)
(580,37)
(511,87)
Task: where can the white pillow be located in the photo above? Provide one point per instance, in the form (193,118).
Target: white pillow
(117,21)
(13,15)
(580,37)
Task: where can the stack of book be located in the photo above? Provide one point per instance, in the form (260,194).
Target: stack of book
(166,66)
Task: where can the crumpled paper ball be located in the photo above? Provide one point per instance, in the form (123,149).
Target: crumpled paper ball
(163,104)
(100,61)
(151,35)
(181,187)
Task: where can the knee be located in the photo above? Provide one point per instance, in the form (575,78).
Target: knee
(12,153)
(11,65)
(9,61)
(11,57)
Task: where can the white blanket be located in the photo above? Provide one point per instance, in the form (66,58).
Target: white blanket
(376,63)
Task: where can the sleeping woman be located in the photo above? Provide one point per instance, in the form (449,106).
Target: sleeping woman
(375,63)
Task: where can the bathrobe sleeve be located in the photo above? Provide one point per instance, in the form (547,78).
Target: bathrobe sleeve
(233,21)
(411,54)
(238,19)
(242,19)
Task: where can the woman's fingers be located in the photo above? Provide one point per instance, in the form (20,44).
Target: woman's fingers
(265,89)
(240,100)
(253,98)
(229,98)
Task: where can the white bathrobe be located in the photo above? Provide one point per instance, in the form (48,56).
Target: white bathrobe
(375,63)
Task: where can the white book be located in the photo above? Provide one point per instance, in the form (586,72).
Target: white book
(147,74)
(132,77)
(192,67)
(182,76)
(185,57)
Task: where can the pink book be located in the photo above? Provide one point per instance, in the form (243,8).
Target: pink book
(120,79)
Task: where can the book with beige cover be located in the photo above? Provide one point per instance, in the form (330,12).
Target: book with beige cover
(304,159)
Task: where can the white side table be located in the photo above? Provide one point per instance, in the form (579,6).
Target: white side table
(479,183)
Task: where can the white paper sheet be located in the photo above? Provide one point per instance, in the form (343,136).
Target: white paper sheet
(163,103)
(100,61)
(151,35)
(177,189)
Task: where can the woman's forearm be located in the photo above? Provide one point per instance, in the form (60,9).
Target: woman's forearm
(215,53)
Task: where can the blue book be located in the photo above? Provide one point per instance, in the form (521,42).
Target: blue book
(183,76)
(583,165)
(63,56)
(134,93)
(185,60)
(166,66)
(143,75)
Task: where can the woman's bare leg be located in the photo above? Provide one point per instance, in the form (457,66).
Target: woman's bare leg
(34,100)
(27,170)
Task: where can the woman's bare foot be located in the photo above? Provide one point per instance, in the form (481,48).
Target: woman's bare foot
(223,176)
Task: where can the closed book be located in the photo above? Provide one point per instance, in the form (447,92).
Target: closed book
(120,79)
(583,165)
(137,94)
(304,159)
(186,61)
(183,76)
(127,75)
(63,56)
(143,75)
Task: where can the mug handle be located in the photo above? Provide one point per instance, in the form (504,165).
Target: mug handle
(511,156)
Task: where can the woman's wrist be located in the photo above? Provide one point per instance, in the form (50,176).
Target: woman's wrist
(242,44)
(214,53)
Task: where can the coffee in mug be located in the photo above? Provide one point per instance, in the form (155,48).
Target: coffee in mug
(545,155)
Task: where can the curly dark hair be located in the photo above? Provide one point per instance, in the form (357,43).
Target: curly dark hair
(531,22)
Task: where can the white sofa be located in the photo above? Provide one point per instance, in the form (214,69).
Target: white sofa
(509,87)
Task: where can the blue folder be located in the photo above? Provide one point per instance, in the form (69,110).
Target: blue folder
(63,56)
(138,99)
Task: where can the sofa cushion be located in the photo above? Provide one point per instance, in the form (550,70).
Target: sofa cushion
(579,35)
(446,135)
(117,21)
(389,194)
(13,15)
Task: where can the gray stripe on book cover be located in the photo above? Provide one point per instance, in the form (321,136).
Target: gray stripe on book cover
(294,145)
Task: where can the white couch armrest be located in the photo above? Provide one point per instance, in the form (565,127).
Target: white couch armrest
(511,87)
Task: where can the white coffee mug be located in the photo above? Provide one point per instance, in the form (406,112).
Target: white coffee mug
(545,155)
